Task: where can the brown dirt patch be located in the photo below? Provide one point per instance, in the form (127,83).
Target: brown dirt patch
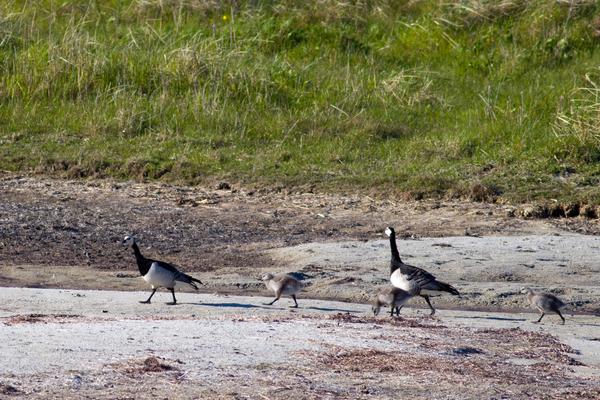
(149,365)
(9,390)
(442,359)
(39,319)
(80,223)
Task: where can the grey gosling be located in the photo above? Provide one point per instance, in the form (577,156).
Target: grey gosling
(414,280)
(283,284)
(545,302)
(390,296)
(158,273)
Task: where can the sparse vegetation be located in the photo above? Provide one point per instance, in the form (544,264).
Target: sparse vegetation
(482,99)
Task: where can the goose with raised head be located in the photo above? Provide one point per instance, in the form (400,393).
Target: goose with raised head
(158,273)
(283,284)
(390,296)
(545,302)
(414,280)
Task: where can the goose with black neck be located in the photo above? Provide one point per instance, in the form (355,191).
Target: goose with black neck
(158,273)
(416,281)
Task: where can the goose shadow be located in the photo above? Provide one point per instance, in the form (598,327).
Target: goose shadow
(588,324)
(492,318)
(228,305)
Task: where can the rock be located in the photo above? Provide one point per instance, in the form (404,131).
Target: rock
(466,351)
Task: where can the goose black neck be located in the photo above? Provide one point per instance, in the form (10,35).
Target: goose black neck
(394,248)
(142,262)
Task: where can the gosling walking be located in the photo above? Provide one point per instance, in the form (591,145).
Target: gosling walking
(282,284)
(545,302)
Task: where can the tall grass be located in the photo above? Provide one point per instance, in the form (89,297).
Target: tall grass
(422,97)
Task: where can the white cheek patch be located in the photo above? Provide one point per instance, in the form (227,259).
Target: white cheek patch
(388,232)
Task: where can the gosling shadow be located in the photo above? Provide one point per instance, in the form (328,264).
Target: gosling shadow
(492,318)
(326,309)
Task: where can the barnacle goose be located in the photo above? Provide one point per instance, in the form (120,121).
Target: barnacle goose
(415,281)
(158,273)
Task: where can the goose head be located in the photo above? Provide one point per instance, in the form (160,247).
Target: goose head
(128,241)
(389,231)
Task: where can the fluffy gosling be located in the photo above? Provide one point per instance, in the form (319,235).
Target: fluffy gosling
(390,296)
(544,302)
(283,284)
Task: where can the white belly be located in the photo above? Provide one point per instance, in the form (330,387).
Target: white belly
(159,277)
(398,280)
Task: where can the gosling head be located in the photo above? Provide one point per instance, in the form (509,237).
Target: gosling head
(526,290)
(266,277)
(389,231)
(376,307)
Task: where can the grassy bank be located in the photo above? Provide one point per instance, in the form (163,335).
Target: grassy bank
(471,98)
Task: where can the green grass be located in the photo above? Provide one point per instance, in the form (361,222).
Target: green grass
(429,98)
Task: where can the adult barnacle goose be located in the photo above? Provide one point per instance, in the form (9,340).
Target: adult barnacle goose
(158,273)
(415,281)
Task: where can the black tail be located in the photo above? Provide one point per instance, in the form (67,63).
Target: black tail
(185,278)
(444,287)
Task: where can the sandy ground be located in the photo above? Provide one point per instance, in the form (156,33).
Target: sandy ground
(104,344)
(66,234)
(489,272)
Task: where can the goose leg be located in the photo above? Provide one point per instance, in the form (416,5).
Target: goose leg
(392,311)
(174,299)
(271,303)
(561,317)
(148,301)
(398,311)
(426,297)
(541,316)
(295,302)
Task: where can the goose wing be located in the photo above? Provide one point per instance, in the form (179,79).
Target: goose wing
(288,281)
(177,275)
(555,301)
(167,266)
(418,275)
